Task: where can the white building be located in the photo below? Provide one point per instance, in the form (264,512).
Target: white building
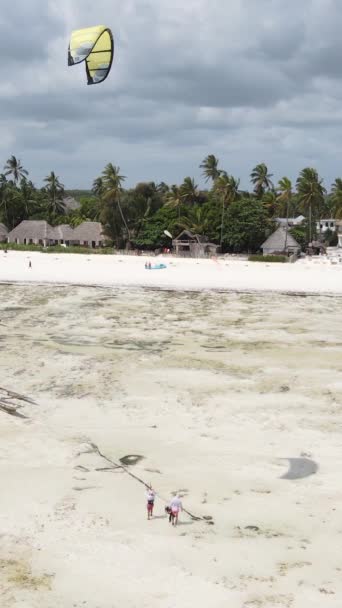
(324,225)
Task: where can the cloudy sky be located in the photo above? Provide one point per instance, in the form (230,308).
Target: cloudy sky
(247,80)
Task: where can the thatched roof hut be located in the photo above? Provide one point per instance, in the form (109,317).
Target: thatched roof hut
(90,234)
(63,233)
(70,204)
(3,233)
(278,242)
(38,232)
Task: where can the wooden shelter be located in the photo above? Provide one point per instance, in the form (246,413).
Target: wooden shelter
(187,244)
(316,248)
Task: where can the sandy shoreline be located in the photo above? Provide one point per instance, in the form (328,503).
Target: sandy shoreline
(315,276)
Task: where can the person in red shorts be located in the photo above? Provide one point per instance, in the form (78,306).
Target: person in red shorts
(175,508)
(150,502)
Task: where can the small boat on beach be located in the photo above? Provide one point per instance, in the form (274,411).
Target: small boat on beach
(155,266)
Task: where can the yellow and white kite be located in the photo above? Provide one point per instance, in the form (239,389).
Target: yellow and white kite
(95,46)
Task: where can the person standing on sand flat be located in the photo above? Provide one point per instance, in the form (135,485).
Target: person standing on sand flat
(175,506)
(150,501)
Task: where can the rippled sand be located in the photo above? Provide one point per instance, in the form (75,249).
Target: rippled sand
(214,390)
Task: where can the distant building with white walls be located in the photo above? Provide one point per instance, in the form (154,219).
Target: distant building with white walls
(324,225)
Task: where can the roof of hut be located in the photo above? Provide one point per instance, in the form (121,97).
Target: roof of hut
(277,240)
(63,232)
(32,229)
(189,236)
(89,231)
(70,203)
(291,221)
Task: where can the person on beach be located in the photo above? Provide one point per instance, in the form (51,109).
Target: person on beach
(150,501)
(175,507)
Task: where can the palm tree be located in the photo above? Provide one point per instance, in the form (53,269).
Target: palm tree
(285,197)
(261,179)
(3,196)
(14,167)
(210,168)
(269,202)
(196,220)
(174,199)
(310,193)
(162,188)
(26,194)
(228,188)
(189,191)
(112,180)
(112,184)
(98,187)
(55,191)
(336,198)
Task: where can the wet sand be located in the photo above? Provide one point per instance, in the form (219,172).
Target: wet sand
(216,391)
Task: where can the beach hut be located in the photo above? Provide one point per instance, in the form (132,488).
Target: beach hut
(187,244)
(64,235)
(70,204)
(89,234)
(39,232)
(3,233)
(32,232)
(279,243)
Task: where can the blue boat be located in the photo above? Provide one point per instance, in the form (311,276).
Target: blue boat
(156,267)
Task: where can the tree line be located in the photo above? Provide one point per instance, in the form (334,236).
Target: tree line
(236,219)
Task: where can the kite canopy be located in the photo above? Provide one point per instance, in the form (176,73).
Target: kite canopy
(95,46)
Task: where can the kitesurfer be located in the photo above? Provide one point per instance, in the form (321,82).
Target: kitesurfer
(150,502)
(175,507)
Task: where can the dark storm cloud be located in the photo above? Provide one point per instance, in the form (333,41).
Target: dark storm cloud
(247,79)
(26,29)
(45,107)
(215,86)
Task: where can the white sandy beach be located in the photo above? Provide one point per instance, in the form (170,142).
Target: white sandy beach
(214,390)
(316,276)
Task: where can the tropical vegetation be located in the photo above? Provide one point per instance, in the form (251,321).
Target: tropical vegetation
(237,220)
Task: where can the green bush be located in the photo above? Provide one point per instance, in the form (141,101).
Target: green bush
(268,258)
(71,249)
(56,249)
(16,247)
